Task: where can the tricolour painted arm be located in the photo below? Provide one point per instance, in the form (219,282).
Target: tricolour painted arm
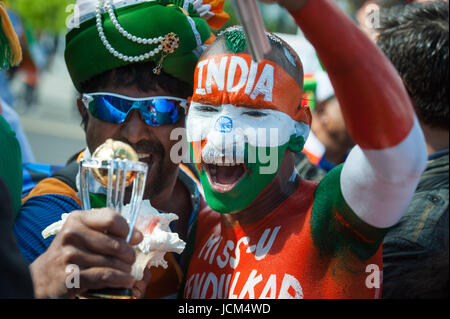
(382,172)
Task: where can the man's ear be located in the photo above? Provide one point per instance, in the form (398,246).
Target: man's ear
(84,113)
(296,144)
(81,108)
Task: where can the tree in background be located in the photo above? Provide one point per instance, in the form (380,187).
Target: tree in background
(276,19)
(40,24)
(43,15)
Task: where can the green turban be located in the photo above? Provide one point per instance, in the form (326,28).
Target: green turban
(88,55)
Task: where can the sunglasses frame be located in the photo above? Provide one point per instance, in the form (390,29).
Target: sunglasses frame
(87,98)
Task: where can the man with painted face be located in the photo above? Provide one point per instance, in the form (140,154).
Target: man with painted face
(268,233)
(132,62)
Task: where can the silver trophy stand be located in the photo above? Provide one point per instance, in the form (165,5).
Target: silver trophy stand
(116,175)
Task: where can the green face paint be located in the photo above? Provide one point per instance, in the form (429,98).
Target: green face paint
(263,164)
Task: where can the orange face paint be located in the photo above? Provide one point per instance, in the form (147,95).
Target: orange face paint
(237,80)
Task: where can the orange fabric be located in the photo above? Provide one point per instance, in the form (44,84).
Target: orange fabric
(314,159)
(209,42)
(274,258)
(80,156)
(164,282)
(220,16)
(52,186)
(216,85)
(11,36)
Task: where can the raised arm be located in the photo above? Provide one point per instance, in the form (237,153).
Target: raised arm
(382,172)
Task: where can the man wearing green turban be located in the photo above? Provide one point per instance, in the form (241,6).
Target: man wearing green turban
(132,62)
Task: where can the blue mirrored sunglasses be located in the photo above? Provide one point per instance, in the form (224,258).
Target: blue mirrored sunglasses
(114,108)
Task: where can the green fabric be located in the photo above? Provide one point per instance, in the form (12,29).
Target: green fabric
(86,56)
(235,40)
(11,163)
(246,191)
(97,200)
(310,89)
(333,236)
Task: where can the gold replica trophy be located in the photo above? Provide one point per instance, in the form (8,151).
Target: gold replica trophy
(115,165)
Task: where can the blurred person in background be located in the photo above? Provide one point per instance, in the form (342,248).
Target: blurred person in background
(303,164)
(29,72)
(367,13)
(329,141)
(5,89)
(415,38)
(15,279)
(7,99)
(14,120)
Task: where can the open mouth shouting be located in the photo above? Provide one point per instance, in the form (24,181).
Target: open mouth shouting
(223,177)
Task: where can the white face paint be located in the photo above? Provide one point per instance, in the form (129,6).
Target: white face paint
(228,129)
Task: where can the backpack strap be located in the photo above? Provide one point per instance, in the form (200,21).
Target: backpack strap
(68,175)
(62,182)
(187,255)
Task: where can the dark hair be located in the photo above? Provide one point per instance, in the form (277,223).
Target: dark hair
(140,75)
(415,39)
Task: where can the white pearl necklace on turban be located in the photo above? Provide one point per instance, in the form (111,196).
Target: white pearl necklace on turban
(108,7)
(168,44)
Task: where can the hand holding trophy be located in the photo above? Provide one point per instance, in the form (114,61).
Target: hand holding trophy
(115,166)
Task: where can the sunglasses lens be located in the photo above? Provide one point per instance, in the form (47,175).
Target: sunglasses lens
(110,108)
(160,111)
(154,112)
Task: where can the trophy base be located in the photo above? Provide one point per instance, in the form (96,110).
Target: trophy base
(109,293)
